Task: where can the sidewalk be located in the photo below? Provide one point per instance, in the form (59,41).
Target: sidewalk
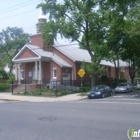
(10,97)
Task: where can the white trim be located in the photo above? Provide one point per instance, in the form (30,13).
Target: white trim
(54,69)
(40,72)
(27,60)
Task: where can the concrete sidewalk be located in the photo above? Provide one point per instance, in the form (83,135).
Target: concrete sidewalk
(10,97)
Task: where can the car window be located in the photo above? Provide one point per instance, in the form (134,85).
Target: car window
(123,84)
(98,87)
(106,87)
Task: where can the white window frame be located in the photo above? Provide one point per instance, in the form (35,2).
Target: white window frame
(21,74)
(54,73)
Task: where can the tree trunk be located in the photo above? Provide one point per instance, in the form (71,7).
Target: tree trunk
(93,81)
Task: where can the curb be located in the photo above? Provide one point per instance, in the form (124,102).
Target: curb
(16,100)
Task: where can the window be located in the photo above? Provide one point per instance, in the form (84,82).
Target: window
(54,73)
(123,69)
(22,74)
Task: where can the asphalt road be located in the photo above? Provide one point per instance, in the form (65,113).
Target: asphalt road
(100,119)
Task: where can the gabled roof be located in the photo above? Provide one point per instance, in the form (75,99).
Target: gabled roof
(41,55)
(80,55)
(75,53)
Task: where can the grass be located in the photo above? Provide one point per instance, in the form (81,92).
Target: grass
(83,94)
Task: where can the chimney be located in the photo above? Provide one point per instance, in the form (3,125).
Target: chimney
(38,41)
(37,38)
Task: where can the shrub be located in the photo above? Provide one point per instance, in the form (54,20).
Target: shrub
(103,78)
(4,86)
(11,78)
(3,74)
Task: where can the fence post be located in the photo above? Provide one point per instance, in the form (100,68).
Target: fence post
(56,89)
(25,86)
(40,88)
(75,85)
(65,86)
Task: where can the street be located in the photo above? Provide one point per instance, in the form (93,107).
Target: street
(100,119)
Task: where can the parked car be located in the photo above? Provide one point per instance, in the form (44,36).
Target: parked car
(138,83)
(100,91)
(124,87)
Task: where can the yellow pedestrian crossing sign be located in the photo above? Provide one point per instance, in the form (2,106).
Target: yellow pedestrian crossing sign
(81,72)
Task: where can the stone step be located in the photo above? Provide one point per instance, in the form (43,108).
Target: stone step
(21,88)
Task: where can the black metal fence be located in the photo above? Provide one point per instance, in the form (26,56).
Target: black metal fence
(52,87)
(56,87)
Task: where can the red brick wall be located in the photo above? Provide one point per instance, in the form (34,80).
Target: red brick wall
(37,40)
(58,71)
(126,73)
(29,67)
(27,53)
(46,71)
(68,60)
(112,72)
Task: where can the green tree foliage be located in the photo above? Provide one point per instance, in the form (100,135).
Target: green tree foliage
(3,74)
(12,39)
(100,27)
(118,12)
(80,21)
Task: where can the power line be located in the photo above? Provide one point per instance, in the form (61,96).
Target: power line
(15,6)
(19,7)
(17,15)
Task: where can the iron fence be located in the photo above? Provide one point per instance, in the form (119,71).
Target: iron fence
(51,87)
(56,87)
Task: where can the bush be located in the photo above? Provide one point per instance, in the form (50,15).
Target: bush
(85,89)
(103,78)
(11,78)
(3,74)
(122,76)
(4,86)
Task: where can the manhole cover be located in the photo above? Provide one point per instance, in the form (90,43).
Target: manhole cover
(49,118)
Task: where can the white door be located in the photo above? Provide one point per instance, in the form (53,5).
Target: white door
(66,78)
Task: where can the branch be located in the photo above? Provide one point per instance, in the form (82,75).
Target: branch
(74,20)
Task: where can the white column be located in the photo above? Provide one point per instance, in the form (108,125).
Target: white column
(40,72)
(16,74)
(36,70)
(19,82)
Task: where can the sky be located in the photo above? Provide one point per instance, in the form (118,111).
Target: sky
(22,14)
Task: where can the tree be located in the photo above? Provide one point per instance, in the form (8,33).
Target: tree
(117,16)
(12,40)
(76,19)
(95,25)
(131,53)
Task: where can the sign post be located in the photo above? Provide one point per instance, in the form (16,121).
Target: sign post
(81,73)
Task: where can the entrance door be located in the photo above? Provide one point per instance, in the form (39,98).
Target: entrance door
(66,78)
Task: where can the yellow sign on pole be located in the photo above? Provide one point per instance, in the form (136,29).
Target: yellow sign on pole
(81,72)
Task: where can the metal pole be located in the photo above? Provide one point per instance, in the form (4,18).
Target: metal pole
(25,86)
(81,84)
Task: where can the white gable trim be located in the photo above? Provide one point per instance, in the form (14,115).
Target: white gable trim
(27,60)
(25,46)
